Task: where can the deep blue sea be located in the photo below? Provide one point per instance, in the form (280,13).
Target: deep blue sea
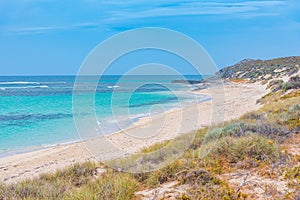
(36,111)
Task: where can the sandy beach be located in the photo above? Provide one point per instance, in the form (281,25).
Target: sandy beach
(237,100)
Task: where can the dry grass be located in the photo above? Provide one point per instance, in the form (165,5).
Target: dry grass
(109,186)
(234,149)
(50,186)
(239,80)
(284,113)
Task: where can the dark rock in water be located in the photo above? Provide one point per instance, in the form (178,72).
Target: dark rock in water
(200,87)
(202,84)
(182,81)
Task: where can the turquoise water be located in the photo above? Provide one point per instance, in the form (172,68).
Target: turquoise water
(37,111)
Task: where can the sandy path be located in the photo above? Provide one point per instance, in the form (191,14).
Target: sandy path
(238,100)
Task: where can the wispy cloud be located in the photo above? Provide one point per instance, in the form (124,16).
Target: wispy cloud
(167,3)
(45,29)
(253,8)
(119,11)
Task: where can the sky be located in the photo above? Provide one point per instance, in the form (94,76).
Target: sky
(53,37)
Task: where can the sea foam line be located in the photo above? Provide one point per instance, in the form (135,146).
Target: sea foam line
(25,87)
(19,83)
(114,86)
(30,83)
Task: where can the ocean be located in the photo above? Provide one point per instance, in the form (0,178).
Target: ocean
(36,111)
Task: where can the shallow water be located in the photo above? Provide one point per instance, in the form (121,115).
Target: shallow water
(36,111)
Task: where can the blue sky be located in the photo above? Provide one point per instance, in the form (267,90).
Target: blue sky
(43,37)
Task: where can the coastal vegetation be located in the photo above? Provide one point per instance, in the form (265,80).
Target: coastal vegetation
(254,157)
(259,70)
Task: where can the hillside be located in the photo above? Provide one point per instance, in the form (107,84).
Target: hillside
(255,70)
(280,75)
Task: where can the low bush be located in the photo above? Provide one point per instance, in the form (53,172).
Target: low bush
(275,85)
(293,174)
(206,186)
(243,129)
(286,86)
(295,81)
(234,149)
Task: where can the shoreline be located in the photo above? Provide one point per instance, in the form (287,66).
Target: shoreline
(36,148)
(135,121)
(49,159)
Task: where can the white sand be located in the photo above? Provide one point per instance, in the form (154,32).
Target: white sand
(238,100)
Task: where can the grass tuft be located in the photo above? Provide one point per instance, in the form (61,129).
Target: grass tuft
(110,186)
(232,150)
(240,129)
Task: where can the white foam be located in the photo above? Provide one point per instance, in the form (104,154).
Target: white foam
(25,87)
(42,86)
(59,144)
(61,82)
(19,83)
(114,86)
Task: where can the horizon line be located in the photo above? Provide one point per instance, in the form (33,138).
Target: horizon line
(104,75)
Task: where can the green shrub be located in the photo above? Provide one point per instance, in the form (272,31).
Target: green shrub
(295,81)
(293,174)
(294,108)
(286,86)
(214,134)
(204,185)
(237,149)
(243,129)
(275,85)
